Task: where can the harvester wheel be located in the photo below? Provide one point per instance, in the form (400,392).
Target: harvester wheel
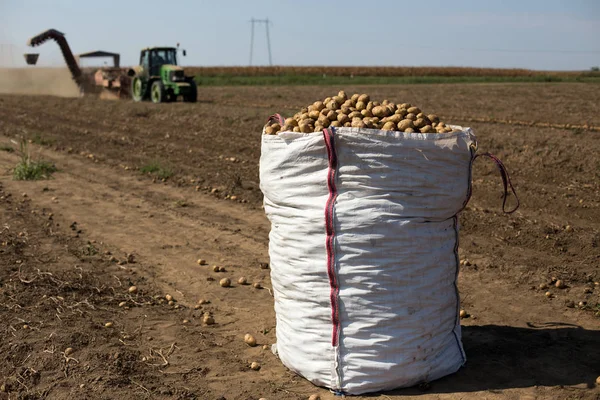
(192,96)
(138,89)
(157,94)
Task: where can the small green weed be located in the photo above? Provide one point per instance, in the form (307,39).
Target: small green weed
(89,250)
(180,203)
(41,140)
(29,169)
(156,169)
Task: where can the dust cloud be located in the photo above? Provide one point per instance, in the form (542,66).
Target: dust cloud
(38,81)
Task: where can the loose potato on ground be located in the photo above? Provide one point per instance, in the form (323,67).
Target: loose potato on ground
(250,340)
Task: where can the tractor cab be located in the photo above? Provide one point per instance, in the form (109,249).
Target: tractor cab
(153,59)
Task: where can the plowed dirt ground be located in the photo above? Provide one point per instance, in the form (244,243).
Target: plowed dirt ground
(64,246)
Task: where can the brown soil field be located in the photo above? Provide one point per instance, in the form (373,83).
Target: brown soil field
(71,246)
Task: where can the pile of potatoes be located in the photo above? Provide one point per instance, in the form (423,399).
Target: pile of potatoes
(359,111)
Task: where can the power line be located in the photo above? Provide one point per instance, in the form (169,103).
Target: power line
(260,21)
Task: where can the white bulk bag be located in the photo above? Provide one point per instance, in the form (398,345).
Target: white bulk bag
(363,250)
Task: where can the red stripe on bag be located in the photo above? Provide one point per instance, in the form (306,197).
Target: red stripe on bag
(330,231)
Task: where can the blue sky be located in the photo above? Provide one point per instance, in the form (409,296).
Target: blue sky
(536,34)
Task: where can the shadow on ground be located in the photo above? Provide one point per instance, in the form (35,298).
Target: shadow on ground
(505,357)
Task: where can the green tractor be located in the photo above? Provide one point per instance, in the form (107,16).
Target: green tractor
(160,79)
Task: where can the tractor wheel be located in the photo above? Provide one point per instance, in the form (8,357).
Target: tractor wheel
(138,89)
(170,97)
(157,93)
(192,96)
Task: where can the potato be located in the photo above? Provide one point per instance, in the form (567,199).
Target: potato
(427,129)
(132,289)
(370,106)
(410,116)
(225,282)
(405,124)
(345,110)
(409,130)
(419,123)
(463,314)
(343,95)
(208,319)
(324,120)
(314,397)
(560,284)
(314,114)
(318,105)
(358,123)
(333,105)
(255,366)
(379,111)
(343,118)
(168,297)
(366,113)
(296,129)
(355,97)
(332,115)
(385,102)
(336,124)
(269,130)
(250,340)
(364,98)
(401,112)
(257,285)
(389,126)
(361,105)
(306,127)
(355,114)
(394,118)
(413,110)
(347,124)
(108,325)
(243,280)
